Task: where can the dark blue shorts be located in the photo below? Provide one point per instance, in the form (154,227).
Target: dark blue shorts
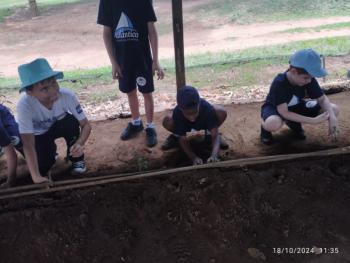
(11,136)
(309,108)
(132,77)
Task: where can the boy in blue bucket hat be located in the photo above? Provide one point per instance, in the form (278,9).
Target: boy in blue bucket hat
(9,142)
(46,112)
(194,113)
(286,101)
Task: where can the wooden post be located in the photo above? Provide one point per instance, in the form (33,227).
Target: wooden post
(34,7)
(179,43)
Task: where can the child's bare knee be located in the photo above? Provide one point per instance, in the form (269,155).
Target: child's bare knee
(273,123)
(167,122)
(336,109)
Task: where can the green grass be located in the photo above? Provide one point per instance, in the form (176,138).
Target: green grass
(7,7)
(253,11)
(253,66)
(317,28)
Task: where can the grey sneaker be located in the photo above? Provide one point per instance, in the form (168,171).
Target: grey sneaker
(131,131)
(171,142)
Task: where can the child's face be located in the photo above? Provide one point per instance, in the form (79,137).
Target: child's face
(299,79)
(191,114)
(46,91)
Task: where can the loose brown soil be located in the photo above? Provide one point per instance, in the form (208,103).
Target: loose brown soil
(214,215)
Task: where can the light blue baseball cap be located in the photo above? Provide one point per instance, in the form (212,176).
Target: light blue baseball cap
(35,72)
(309,60)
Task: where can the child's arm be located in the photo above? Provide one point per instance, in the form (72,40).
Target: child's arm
(28,140)
(77,150)
(188,151)
(326,106)
(108,41)
(215,138)
(153,39)
(292,116)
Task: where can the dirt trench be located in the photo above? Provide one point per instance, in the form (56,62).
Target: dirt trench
(216,215)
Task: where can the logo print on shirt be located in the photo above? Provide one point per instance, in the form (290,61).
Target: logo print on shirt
(125,30)
(294,101)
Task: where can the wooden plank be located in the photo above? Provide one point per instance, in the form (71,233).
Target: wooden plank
(90,182)
(179,43)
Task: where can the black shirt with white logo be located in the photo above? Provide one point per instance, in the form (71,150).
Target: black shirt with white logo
(206,119)
(128,20)
(282,91)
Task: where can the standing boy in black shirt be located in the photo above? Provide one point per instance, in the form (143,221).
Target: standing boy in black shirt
(131,42)
(286,99)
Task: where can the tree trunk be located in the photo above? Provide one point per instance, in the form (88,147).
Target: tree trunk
(34,7)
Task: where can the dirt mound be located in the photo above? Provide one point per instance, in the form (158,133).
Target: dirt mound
(248,214)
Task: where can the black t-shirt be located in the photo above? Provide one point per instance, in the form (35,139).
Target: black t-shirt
(281,91)
(128,20)
(206,119)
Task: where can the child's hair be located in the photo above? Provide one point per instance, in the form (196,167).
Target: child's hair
(31,86)
(300,71)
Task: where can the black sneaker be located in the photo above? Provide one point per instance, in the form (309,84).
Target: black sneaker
(79,167)
(151,137)
(297,129)
(266,136)
(223,144)
(131,131)
(171,142)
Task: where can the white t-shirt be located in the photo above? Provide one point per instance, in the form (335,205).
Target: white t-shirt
(34,117)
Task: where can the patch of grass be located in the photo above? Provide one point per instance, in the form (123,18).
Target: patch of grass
(246,67)
(5,12)
(317,28)
(17,3)
(101,97)
(7,7)
(253,11)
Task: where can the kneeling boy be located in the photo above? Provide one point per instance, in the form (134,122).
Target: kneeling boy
(47,112)
(286,99)
(194,113)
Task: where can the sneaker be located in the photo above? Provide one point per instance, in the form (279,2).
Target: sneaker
(151,137)
(131,131)
(297,129)
(171,142)
(79,167)
(223,144)
(266,136)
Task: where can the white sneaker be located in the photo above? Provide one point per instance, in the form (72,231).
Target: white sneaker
(79,167)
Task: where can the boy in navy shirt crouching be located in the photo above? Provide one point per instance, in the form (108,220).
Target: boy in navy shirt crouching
(194,113)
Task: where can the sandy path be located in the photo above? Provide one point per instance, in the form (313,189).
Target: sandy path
(70,38)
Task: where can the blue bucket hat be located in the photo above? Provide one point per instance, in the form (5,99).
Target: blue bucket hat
(35,72)
(187,98)
(309,60)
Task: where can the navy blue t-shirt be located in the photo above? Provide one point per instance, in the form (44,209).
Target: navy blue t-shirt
(128,20)
(281,91)
(206,119)
(8,126)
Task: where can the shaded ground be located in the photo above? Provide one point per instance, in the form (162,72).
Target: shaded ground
(106,153)
(215,215)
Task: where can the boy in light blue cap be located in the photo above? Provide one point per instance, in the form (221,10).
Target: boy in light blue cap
(286,101)
(46,112)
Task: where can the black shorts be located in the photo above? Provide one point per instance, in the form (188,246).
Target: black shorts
(309,108)
(132,77)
